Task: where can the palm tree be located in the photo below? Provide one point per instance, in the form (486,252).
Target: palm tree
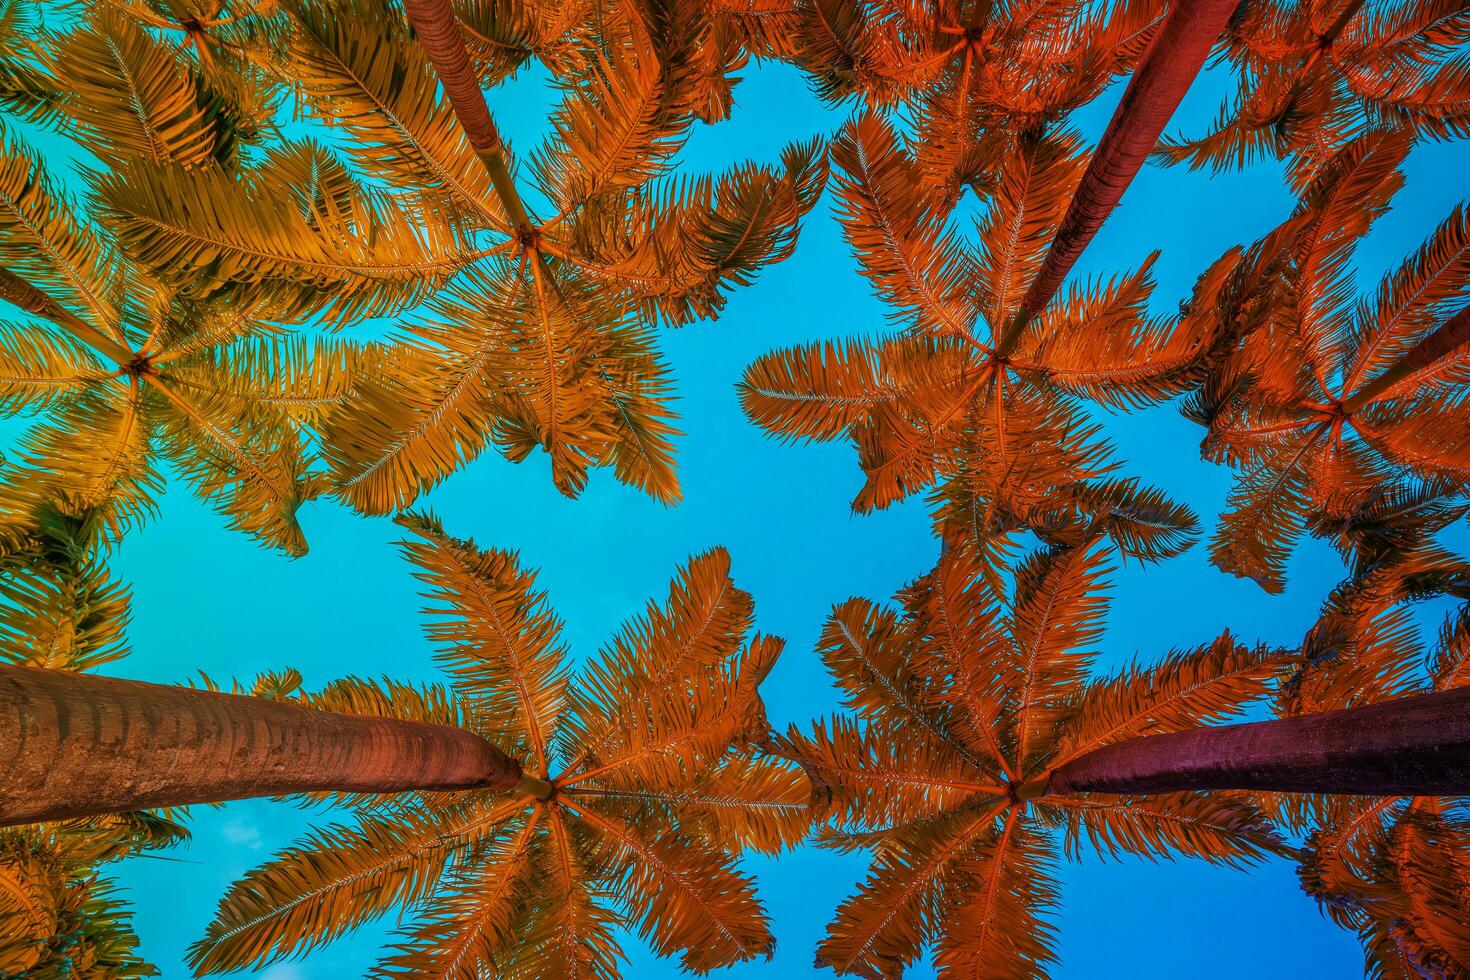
(1326,405)
(59,918)
(979,741)
(963,698)
(1003,440)
(1393,867)
(545,336)
(1316,75)
(208,231)
(969,76)
(641,790)
(129,371)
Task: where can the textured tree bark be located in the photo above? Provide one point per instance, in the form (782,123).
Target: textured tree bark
(1446,338)
(73,745)
(438,34)
(1414,746)
(1163,75)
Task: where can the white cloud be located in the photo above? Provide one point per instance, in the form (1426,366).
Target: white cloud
(244,833)
(283,971)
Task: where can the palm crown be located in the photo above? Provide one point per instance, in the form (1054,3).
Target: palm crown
(213,230)
(657,790)
(1294,406)
(1000,435)
(1315,75)
(132,369)
(963,696)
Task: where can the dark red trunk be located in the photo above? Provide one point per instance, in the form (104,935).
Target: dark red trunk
(1163,75)
(72,745)
(1446,339)
(1415,746)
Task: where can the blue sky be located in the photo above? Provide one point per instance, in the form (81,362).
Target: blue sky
(209,599)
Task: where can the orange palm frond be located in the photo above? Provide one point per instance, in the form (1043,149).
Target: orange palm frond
(958,681)
(1313,401)
(657,796)
(494,632)
(1184,690)
(998,928)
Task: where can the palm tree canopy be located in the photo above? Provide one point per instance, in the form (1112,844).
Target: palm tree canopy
(1314,76)
(961,694)
(166,276)
(1280,406)
(1003,442)
(657,786)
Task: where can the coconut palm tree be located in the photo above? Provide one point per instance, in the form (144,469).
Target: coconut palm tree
(59,918)
(981,745)
(1327,403)
(659,782)
(129,371)
(207,230)
(545,337)
(1392,868)
(521,814)
(1316,75)
(640,790)
(969,76)
(962,697)
(1003,440)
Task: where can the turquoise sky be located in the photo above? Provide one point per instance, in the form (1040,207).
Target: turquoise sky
(209,599)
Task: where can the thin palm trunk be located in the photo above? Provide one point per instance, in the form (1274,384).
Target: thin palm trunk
(1414,746)
(16,290)
(438,34)
(1445,340)
(73,745)
(1163,75)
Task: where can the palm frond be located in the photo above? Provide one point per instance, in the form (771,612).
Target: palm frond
(339,878)
(495,634)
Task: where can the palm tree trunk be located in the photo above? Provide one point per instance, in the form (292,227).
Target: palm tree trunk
(1158,84)
(72,745)
(1446,338)
(1414,746)
(438,34)
(16,290)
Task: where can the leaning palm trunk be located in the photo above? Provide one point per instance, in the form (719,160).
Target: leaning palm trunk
(1163,75)
(1445,340)
(73,745)
(437,31)
(1415,746)
(14,289)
